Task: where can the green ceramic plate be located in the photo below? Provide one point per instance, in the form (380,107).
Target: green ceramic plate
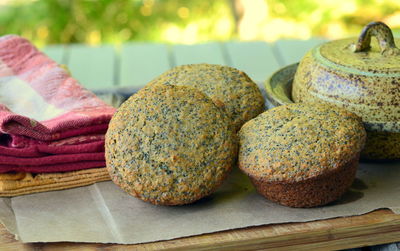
(278,87)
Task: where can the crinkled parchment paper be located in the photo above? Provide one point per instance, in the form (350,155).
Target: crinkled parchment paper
(103,213)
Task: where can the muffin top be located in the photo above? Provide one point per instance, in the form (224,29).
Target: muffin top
(299,141)
(228,87)
(169,145)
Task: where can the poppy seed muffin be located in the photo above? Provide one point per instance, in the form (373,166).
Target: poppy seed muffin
(302,155)
(228,87)
(169,145)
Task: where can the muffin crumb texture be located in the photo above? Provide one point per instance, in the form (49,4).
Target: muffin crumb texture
(306,153)
(229,88)
(299,141)
(169,145)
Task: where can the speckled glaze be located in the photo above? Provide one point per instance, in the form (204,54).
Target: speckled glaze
(278,87)
(362,76)
(169,145)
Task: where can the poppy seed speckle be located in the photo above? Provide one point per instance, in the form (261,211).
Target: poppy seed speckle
(169,145)
(229,88)
(314,148)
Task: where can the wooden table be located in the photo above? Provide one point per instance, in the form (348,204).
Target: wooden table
(371,229)
(132,65)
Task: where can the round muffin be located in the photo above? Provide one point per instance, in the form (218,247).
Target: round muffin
(169,145)
(302,155)
(228,87)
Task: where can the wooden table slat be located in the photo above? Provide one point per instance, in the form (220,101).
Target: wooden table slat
(198,53)
(56,52)
(93,67)
(292,50)
(141,62)
(255,58)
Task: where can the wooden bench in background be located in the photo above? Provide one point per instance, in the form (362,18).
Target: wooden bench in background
(132,65)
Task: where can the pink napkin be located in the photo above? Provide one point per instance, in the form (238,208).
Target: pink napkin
(48,122)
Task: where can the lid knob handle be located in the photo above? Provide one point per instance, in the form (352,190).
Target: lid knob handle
(384,36)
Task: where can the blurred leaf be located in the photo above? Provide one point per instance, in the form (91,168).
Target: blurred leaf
(109,21)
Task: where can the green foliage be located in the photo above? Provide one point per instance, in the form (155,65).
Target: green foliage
(351,15)
(112,21)
(109,21)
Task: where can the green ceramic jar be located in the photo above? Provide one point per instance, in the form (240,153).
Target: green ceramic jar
(363,76)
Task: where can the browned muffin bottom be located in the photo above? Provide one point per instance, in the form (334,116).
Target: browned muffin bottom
(302,155)
(169,145)
(228,87)
(312,192)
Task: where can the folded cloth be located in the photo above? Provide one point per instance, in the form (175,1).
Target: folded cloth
(48,122)
(41,150)
(13,184)
(40,100)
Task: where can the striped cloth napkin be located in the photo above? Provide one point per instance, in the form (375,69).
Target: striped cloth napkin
(48,122)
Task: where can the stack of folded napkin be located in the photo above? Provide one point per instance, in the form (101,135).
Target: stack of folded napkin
(51,128)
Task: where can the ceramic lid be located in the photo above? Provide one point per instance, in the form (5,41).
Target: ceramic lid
(364,55)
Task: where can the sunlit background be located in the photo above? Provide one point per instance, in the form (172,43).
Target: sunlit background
(190,21)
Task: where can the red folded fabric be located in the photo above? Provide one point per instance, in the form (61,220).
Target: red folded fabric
(23,141)
(45,150)
(40,100)
(47,120)
(52,159)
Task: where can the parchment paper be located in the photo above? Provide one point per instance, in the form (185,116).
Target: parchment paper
(103,213)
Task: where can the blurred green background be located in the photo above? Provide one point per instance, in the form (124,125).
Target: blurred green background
(190,21)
